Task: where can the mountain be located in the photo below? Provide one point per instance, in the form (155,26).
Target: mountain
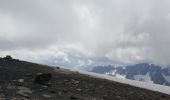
(21,80)
(141,72)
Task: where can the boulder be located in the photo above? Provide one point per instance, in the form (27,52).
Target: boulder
(43,79)
(8,58)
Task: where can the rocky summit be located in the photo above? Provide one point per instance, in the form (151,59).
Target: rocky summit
(20,80)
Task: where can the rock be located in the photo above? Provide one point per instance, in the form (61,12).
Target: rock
(2,96)
(74,81)
(57,67)
(74,97)
(77,72)
(46,96)
(66,80)
(53,91)
(95,99)
(65,91)
(59,93)
(14,80)
(27,75)
(100,87)
(49,84)
(44,86)
(118,97)
(8,58)
(105,96)
(79,89)
(18,98)
(11,87)
(2,91)
(23,94)
(43,79)
(20,80)
(24,91)
(39,73)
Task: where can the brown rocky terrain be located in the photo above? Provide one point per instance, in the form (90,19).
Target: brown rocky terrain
(20,80)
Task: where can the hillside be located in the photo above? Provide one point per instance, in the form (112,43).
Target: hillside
(30,81)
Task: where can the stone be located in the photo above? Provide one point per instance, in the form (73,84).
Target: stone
(39,73)
(24,91)
(11,87)
(2,96)
(53,91)
(118,96)
(43,79)
(66,80)
(79,89)
(74,81)
(59,93)
(17,98)
(65,91)
(74,97)
(44,86)
(46,96)
(27,75)
(20,80)
(8,57)
(14,80)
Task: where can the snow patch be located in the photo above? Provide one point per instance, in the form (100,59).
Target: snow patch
(167,78)
(144,78)
(113,73)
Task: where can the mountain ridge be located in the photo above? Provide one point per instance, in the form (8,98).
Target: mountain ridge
(141,72)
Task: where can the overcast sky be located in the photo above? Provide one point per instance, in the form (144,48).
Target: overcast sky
(76,33)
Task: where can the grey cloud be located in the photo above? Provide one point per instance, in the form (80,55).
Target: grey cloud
(100,31)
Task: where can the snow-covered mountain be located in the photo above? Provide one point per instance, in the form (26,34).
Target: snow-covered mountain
(141,72)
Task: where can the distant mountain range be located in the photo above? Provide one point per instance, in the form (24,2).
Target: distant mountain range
(141,72)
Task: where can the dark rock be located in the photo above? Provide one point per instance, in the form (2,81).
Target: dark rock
(65,91)
(2,96)
(74,81)
(105,96)
(79,89)
(74,97)
(163,96)
(53,91)
(49,84)
(66,80)
(28,75)
(43,79)
(24,91)
(46,96)
(44,86)
(8,58)
(20,82)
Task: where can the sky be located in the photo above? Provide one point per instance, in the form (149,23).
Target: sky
(80,33)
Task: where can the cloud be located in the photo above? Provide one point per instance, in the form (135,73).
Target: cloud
(82,33)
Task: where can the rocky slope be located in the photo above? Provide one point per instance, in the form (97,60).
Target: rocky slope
(22,80)
(141,72)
